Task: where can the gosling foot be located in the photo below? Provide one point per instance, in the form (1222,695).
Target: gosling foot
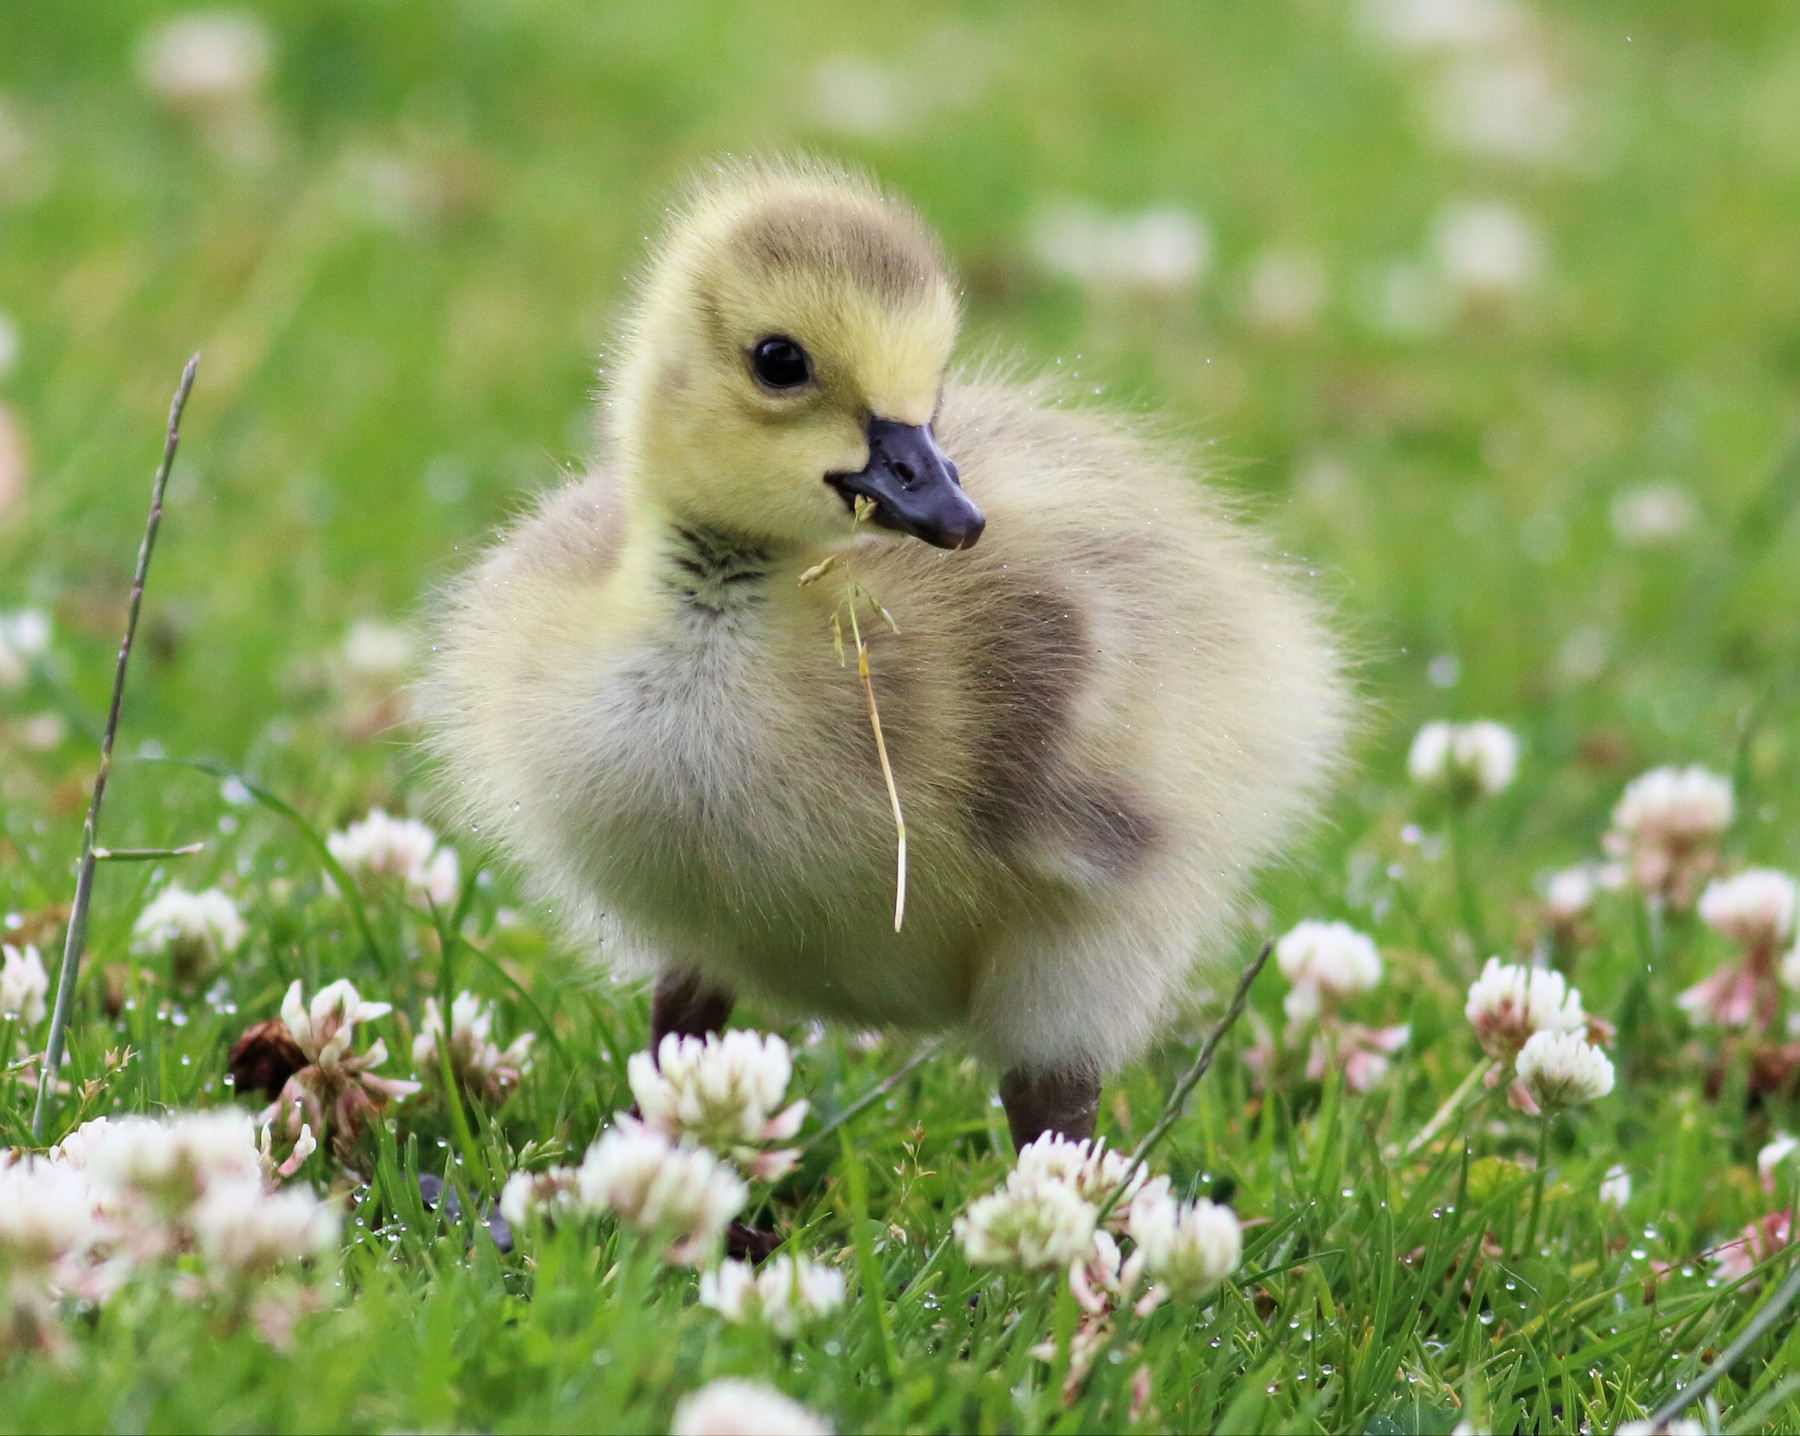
(1063,1100)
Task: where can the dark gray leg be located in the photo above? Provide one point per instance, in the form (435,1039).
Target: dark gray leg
(686,1004)
(1064,1100)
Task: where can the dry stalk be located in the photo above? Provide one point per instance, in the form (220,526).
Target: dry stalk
(855,595)
(76,941)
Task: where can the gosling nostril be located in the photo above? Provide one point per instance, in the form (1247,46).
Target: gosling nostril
(905,472)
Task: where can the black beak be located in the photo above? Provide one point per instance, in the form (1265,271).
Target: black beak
(914,486)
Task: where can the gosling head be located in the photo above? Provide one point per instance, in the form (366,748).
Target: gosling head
(787,359)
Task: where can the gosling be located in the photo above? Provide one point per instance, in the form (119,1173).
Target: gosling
(1104,705)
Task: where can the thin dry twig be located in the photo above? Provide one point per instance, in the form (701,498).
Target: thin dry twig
(76,942)
(1171,1112)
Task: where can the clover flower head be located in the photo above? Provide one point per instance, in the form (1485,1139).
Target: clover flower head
(1666,827)
(786,1294)
(481,1066)
(1615,1190)
(1755,909)
(1189,1248)
(530,1198)
(730,1407)
(23,984)
(661,1187)
(248,1233)
(1087,1167)
(1325,960)
(1569,894)
(1774,1153)
(174,1162)
(24,634)
(1508,1004)
(1563,1069)
(205,59)
(193,930)
(403,849)
(1031,1225)
(722,1091)
(325,1028)
(47,1215)
(1467,759)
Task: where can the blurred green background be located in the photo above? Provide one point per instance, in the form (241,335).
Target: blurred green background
(1491,309)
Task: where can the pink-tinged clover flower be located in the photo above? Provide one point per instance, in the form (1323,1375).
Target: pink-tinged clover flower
(724,1092)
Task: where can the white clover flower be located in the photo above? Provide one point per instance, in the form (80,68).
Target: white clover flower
(482,1067)
(9,343)
(1509,1004)
(1287,291)
(1425,27)
(1325,959)
(1469,759)
(1615,1190)
(1088,1168)
(1569,894)
(721,1091)
(1563,1069)
(194,930)
(532,1197)
(247,1233)
(205,58)
(1773,1154)
(377,650)
(786,1294)
(1652,514)
(1755,908)
(1511,107)
(1031,1225)
(24,633)
(400,848)
(77,1149)
(173,1162)
(1189,1248)
(47,1214)
(1487,250)
(730,1407)
(1674,1426)
(1155,249)
(859,96)
(23,984)
(1666,827)
(326,1028)
(656,1186)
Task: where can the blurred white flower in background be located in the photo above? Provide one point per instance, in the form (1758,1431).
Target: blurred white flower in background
(1615,1190)
(484,1070)
(382,650)
(856,95)
(23,984)
(787,1294)
(1161,248)
(1780,1149)
(24,633)
(1325,961)
(1487,251)
(730,1407)
(1652,514)
(1189,1248)
(1468,759)
(1509,1004)
(1570,893)
(1406,299)
(1754,908)
(401,848)
(194,930)
(9,347)
(532,1197)
(661,1188)
(206,59)
(1512,107)
(723,1091)
(1666,828)
(1563,1069)
(1033,1225)
(1425,27)
(1287,291)
(248,1240)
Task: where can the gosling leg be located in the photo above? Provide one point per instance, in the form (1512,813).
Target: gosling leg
(1063,1100)
(687,1005)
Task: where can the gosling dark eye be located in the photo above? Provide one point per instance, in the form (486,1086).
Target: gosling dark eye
(780,363)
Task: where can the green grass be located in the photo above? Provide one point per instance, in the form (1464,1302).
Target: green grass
(377,392)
